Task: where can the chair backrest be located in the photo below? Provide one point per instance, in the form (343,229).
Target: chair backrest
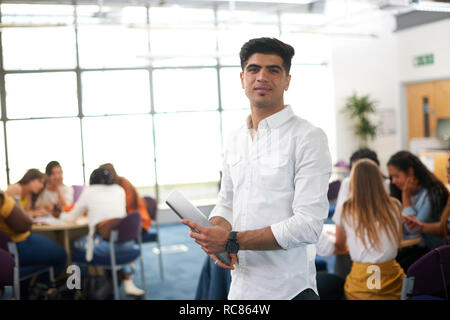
(333,189)
(431,271)
(128,228)
(4,239)
(77,190)
(152,207)
(444,223)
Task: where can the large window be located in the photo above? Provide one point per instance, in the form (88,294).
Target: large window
(34,143)
(30,95)
(115,92)
(49,45)
(124,141)
(188,149)
(106,39)
(232,94)
(154,91)
(185,90)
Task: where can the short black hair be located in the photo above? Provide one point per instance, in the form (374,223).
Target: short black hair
(267,46)
(101,176)
(364,153)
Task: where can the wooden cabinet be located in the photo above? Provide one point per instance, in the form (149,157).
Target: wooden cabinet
(438,94)
(436,161)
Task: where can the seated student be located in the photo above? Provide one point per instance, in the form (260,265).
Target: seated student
(104,202)
(33,249)
(343,261)
(422,195)
(26,190)
(438,229)
(134,201)
(370,226)
(56,196)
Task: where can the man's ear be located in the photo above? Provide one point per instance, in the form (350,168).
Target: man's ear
(242,79)
(288,81)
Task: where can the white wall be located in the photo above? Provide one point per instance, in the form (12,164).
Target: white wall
(367,65)
(380,67)
(430,38)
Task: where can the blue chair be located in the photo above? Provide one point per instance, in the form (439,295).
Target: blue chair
(128,228)
(25,272)
(153,234)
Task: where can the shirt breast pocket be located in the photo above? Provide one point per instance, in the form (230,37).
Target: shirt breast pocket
(234,163)
(274,172)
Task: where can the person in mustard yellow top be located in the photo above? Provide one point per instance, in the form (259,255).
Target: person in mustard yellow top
(133,199)
(34,249)
(26,191)
(370,226)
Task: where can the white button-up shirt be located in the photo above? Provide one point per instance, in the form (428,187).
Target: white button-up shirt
(277,178)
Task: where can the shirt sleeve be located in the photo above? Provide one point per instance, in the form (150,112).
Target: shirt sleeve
(310,205)
(224,206)
(421,210)
(79,208)
(7,207)
(68,194)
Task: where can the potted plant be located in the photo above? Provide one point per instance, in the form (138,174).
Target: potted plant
(359,109)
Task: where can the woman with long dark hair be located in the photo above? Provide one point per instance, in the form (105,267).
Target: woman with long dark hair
(439,229)
(56,196)
(422,195)
(26,191)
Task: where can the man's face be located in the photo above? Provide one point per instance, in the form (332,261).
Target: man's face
(264,80)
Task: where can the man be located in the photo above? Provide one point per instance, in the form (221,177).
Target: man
(273,197)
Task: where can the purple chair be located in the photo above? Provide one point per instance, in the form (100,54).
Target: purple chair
(153,234)
(428,276)
(128,228)
(77,190)
(24,272)
(6,268)
(333,190)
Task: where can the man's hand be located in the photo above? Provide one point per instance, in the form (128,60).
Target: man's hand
(212,240)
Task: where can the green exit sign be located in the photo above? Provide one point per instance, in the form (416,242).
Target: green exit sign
(424,60)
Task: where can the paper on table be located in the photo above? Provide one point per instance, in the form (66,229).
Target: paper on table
(49,220)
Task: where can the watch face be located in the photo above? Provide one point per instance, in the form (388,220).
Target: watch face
(232,247)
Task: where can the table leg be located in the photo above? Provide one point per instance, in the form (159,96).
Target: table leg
(67,247)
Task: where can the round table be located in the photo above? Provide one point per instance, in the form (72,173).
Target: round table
(62,232)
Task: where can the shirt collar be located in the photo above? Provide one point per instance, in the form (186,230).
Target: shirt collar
(275,120)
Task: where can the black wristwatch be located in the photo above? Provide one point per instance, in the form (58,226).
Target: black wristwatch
(232,246)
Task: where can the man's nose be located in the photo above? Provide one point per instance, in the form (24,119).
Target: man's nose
(262,76)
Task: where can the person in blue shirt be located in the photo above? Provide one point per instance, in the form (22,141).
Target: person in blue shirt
(422,195)
(439,229)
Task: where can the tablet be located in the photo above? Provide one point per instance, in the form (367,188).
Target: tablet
(184,209)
